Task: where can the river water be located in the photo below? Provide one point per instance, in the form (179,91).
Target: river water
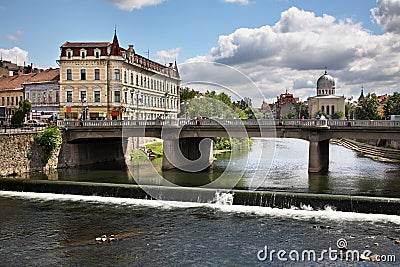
(60,230)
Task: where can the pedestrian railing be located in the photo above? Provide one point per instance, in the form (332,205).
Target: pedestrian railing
(228,123)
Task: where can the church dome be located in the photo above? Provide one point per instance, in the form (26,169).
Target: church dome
(326,85)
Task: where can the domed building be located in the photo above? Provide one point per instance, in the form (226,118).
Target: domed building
(326,100)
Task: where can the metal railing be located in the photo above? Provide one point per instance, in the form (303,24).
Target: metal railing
(230,122)
(16,129)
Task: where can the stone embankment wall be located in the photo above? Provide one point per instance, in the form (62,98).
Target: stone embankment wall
(19,153)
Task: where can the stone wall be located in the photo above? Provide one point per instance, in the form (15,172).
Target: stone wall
(20,154)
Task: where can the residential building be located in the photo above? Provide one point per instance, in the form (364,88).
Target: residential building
(101,80)
(40,88)
(326,100)
(284,105)
(12,91)
(43,92)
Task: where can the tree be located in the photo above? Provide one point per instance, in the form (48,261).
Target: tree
(392,106)
(367,108)
(24,108)
(302,110)
(337,115)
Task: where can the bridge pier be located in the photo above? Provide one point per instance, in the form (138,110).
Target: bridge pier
(192,154)
(318,157)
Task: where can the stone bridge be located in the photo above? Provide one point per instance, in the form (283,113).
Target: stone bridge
(186,136)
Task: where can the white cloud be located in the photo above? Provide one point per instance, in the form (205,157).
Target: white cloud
(387,14)
(293,53)
(130,5)
(15,37)
(15,55)
(243,2)
(167,56)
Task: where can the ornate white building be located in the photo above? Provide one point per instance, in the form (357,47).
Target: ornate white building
(101,80)
(326,100)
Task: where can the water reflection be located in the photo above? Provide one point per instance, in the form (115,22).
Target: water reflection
(348,173)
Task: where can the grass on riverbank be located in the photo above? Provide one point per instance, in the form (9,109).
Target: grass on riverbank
(156,148)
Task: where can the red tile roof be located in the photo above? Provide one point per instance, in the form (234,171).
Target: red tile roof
(17,81)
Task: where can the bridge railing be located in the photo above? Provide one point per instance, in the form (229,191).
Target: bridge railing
(229,122)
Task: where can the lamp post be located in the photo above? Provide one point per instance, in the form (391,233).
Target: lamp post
(198,99)
(165,105)
(83,100)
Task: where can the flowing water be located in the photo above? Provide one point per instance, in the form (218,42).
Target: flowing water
(39,229)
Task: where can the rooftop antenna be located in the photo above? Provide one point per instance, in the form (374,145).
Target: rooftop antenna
(326,70)
(147,53)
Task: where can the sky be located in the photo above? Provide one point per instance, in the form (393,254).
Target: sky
(250,48)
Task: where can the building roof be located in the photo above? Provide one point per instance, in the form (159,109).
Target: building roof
(17,81)
(84,44)
(326,81)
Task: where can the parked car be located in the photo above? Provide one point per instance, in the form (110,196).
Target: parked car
(35,123)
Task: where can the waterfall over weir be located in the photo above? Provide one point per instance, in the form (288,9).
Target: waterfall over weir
(281,200)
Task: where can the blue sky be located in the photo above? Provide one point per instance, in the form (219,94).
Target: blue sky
(279,44)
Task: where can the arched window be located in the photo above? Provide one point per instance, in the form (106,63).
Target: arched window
(323,108)
(333,109)
(327,110)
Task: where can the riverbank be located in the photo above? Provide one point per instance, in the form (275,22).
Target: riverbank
(273,199)
(376,153)
(20,153)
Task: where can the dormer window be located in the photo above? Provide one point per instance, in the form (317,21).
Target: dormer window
(97,53)
(83,53)
(69,53)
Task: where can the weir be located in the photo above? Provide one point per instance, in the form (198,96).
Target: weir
(282,200)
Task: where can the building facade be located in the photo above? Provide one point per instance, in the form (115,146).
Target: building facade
(326,101)
(101,80)
(12,92)
(43,92)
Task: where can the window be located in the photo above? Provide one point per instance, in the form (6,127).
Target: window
(57,97)
(327,110)
(323,108)
(83,53)
(137,80)
(97,53)
(69,75)
(131,78)
(125,81)
(69,96)
(8,100)
(83,74)
(117,96)
(2,101)
(12,101)
(126,97)
(97,96)
(97,74)
(333,109)
(69,54)
(83,96)
(117,75)
(20,98)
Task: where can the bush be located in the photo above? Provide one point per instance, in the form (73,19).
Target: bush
(50,139)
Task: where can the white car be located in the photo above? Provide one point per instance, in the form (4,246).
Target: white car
(35,123)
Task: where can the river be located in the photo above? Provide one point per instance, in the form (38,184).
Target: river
(39,229)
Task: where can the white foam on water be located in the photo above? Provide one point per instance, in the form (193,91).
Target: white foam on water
(329,213)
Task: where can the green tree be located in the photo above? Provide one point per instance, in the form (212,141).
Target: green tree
(302,110)
(337,115)
(24,108)
(392,106)
(367,108)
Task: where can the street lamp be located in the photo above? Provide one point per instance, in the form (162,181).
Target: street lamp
(165,105)
(198,105)
(83,100)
